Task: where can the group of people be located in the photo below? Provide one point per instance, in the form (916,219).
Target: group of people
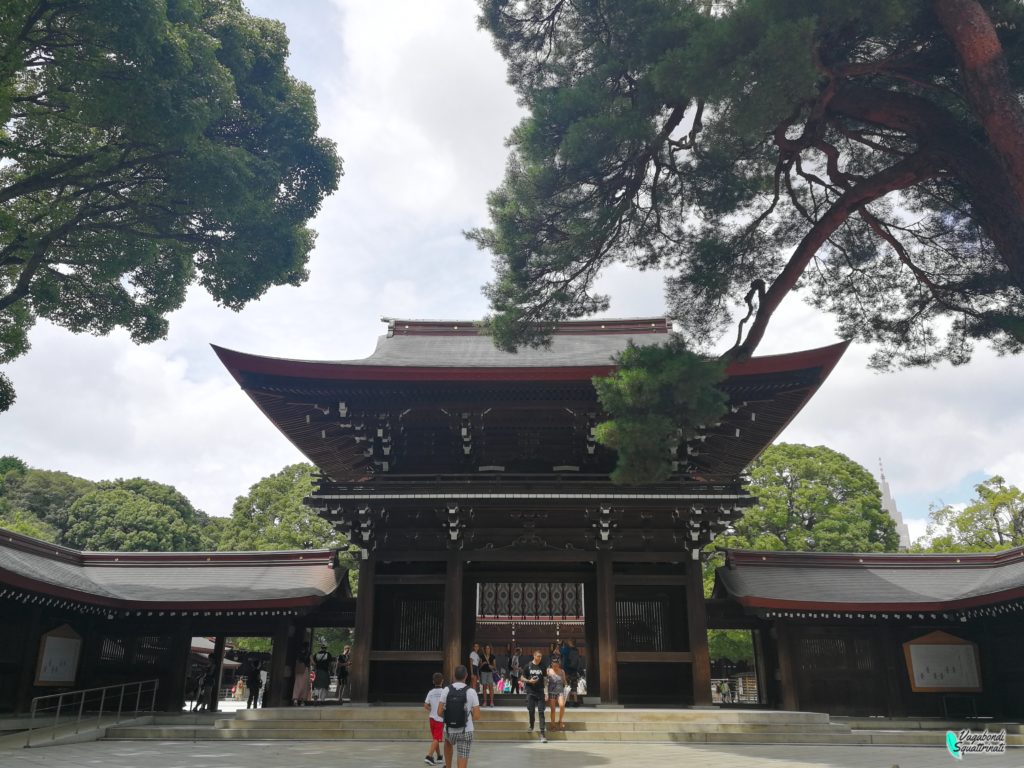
(313,674)
(547,681)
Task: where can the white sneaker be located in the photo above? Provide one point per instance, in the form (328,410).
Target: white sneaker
(543,738)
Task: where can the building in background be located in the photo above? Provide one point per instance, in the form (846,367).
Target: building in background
(889,505)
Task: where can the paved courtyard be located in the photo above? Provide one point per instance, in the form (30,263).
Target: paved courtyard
(494,755)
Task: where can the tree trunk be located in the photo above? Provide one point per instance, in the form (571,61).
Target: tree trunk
(987,84)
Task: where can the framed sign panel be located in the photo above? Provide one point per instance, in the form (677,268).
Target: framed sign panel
(942,663)
(59,650)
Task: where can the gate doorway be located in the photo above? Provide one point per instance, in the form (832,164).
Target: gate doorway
(528,612)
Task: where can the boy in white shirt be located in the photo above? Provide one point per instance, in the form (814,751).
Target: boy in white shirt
(431,704)
(458,722)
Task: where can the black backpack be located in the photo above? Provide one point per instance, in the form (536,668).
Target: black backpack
(455,707)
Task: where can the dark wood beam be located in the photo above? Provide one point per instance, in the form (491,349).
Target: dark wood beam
(655,657)
(696,619)
(606,638)
(654,579)
(359,672)
(281,684)
(453,610)
(394,656)
(409,578)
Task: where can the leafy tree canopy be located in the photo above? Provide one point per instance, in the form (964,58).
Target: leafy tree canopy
(272,516)
(11,464)
(45,495)
(869,152)
(25,523)
(992,521)
(655,399)
(147,146)
(812,499)
(119,520)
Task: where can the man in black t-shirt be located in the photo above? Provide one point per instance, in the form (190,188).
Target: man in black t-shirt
(534,676)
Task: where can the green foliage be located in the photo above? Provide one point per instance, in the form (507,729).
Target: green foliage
(736,645)
(25,523)
(272,516)
(11,464)
(713,139)
(118,520)
(147,146)
(992,521)
(657,398)
(45,495)
(812,499)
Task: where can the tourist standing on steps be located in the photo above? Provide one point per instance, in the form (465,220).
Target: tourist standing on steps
(556,693)
(322,662)
(488,670)
(534,680)
(253,681)
(571,665)
(344,662)
(300,691)
(474,666)
(514,669)
(460,706)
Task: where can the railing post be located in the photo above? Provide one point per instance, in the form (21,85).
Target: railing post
(56,718)
(103,700)
(81,708)
(31,722)
(120,706)
(152,704)
(138,698)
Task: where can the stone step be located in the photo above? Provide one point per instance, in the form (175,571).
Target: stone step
(384,727)
(520,715)
(926,724)
(862,737)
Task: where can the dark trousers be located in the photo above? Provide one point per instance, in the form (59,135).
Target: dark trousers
(535,702)
(254,698)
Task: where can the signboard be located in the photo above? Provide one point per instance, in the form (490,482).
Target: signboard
(59,650)
(942,663)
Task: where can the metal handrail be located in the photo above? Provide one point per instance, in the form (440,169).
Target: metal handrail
(147,687)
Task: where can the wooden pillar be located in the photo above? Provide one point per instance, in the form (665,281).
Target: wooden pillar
(606,637)
(172,683)
(890,651)
(787,667)
(279,682)
(453,615)
(359,673)
(29,657)
(697,625)
(218,671)
(592,662)
(761,666)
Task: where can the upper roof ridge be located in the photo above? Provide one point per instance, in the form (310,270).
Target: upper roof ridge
(599,326)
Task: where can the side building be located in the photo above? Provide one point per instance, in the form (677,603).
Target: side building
(71,620)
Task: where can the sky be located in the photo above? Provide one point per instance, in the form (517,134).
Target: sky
(416,98)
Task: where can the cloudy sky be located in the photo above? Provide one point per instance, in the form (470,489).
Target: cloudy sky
(418,105)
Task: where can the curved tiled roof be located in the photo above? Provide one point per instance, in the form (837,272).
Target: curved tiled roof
(171,580)
(871,582)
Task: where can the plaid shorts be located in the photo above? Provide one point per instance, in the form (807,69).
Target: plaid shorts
(461,740)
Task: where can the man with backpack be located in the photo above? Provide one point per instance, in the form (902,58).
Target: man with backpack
(459,707)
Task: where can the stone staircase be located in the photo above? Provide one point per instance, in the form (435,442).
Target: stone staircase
(696,726)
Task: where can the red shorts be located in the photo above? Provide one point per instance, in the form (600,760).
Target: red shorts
(436,730)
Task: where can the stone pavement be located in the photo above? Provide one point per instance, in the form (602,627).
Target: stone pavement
(490,755)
